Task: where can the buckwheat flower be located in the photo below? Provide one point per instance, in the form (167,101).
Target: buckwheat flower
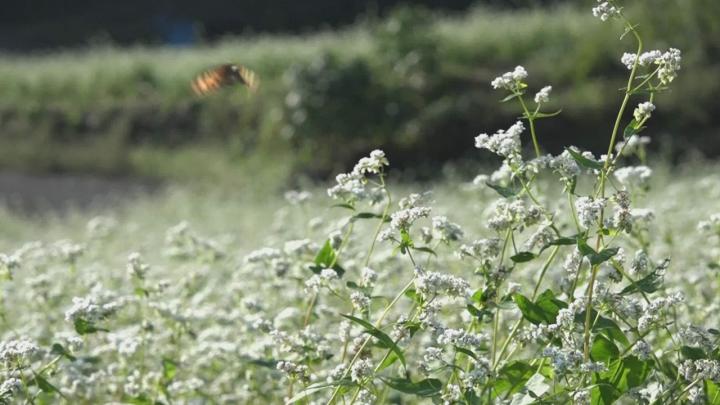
(563,360)
(292,370)
(431,283)
(300,247)
(68,251)
(366,397)
(581,397)
(541,237)
(543,96)
(634,176)
(642,217)
(565,165)
(483,249)
(503,143)
(9,387)
(9,263)
(414,200)
(313,284)
(297,197)
(361,369)
(669,65)
(649,58)
(426,234)
(372,164)
(605,10)
(712,225)
(696,395)
(369,277)
(89,309)
(503,175)
(642,350)
(640,263)
(17,350)
(402,220)
(510,80)
(100,226)
(643,111)
(136,267)
(452,394)
(701,369)
(593,367)
(628,59)
(328,275)
(481,370)
(359,300)
(459,337)
(264,254)
(697,336)
(589,209)
(445,230)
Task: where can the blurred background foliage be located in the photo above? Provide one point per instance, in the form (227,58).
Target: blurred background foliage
(410,79)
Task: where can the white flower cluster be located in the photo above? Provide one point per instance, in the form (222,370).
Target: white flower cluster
(432,283)
(668,62)
(510,80)
(653,310)
(9,386)
(605,10)
(634,176)
(541,237)
(543,96)
(359,301)
(503,143)
(701,369)
(445,230)
(643,111)
(589,209)
(14,351)
(369,277)
(291,369)
(712,225)
(565,166)
(136,267)
(361,369)
(460,337)
(403,219)
(483,249)
(509,214)
(642,350)
(352,186)
(563,360)
(90,310)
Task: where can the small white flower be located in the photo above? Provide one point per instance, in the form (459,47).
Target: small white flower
(643,111)
(543,96)
(605,10)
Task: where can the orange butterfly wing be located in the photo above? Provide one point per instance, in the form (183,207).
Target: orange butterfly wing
(224,75)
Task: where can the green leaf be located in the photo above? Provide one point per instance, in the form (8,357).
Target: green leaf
(712,393)
(425,249)
(364,215)
(513,376)
(311,389)
(389,360)
(547,115)
(429,387)
(348,206)
(506,192)
(59,350)
(603,349)
(603,325)
(603,256)
(693,353)
(523,257)
(631,129)
(648,284)
(326,255)
(531,311)
(550,305)
(380,335)
(508,98)
(141,399)
(44,384)
(466,352)
(622,376)
(83,327)
(583,161)
(169,369)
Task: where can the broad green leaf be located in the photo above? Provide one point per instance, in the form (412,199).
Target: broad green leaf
(429,387)
(169,369)
(83,327)
(605,326)
(59,350)
(712,393)
(45,385)
(311,389)
(508,98)
(347,206)
(550,305)
(365,215)
(631,129)
(693,353)
(603,349)
(531,311)
(425,249)
(622,376)
(512,377)
(648,284)
(583,161)
(389,360)
(603,256)
(506,192)
(547,115)
(466,352)
(380,335)
(326,255)
(522,257)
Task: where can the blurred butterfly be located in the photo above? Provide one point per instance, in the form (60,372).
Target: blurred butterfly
(224,75)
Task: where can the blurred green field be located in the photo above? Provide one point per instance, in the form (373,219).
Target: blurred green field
(415,84)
